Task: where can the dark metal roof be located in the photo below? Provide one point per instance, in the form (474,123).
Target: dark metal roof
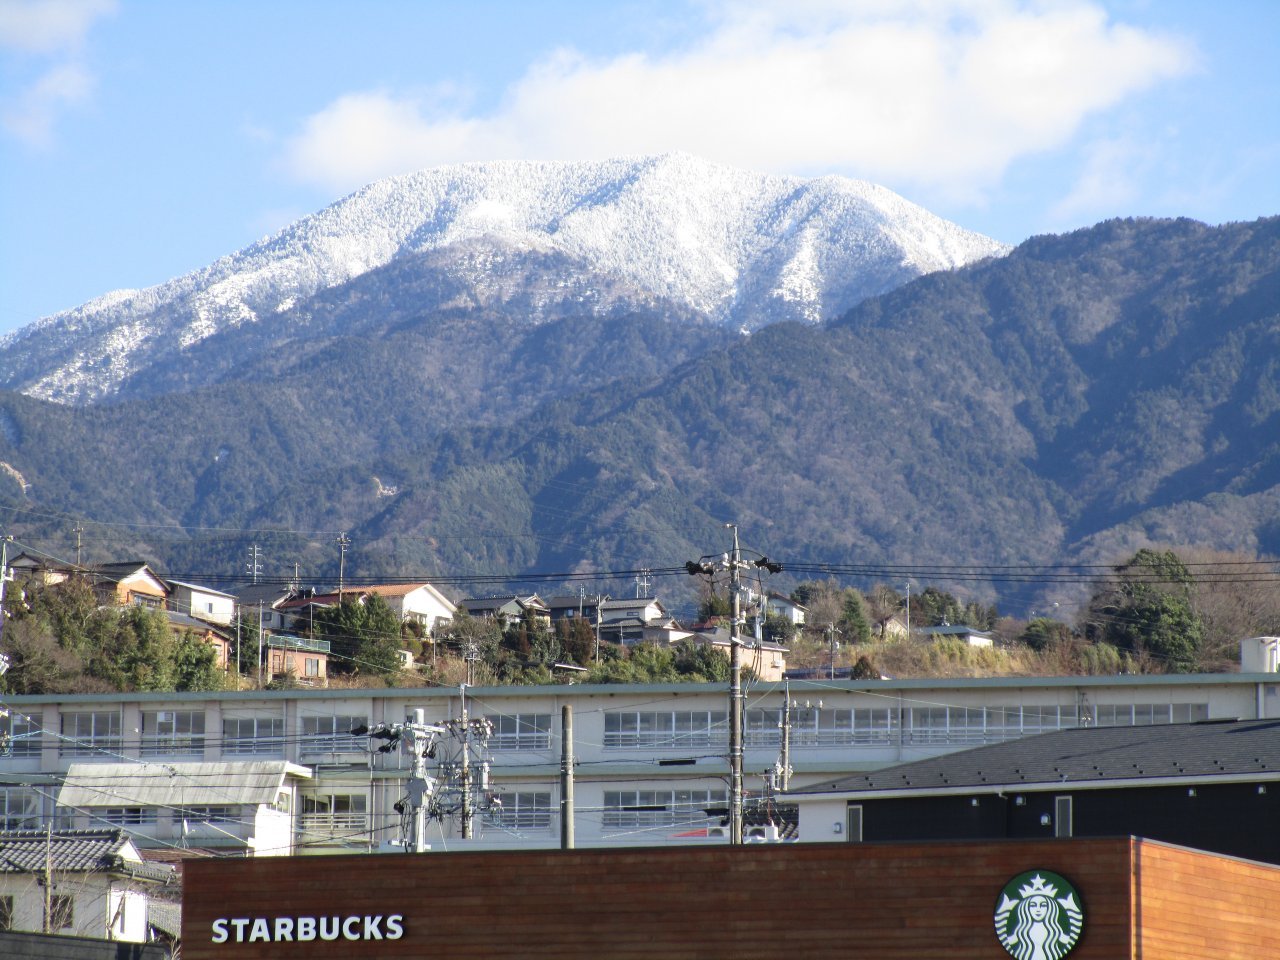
(1086,756)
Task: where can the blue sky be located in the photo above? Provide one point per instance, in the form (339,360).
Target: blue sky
(142,139)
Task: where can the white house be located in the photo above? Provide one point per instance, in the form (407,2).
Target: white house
(101,886)
(244,804)
(780,605)
(203,603)
(969,635)
(418,602)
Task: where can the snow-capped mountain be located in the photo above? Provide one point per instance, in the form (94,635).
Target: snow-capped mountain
(735,247)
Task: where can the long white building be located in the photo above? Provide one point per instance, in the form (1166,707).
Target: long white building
(273,773)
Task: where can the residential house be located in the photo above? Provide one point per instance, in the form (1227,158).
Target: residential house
(1213,785)
(221,639)
(419,603)
(965,634)
(507,609)
(624,621)
(101,886)
(303,659)
(768,661)
(569,606)
(266,602)
(40,569)
(123,584)
(203,603)
(127,584)
(780,605)
(891,628)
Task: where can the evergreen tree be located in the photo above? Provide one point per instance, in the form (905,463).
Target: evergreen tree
(1146,609)
(196,664)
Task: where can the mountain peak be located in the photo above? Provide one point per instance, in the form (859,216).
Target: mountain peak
(737,247)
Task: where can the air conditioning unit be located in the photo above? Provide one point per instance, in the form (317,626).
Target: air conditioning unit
(165,716)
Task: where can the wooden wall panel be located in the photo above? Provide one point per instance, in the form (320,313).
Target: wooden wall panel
(1193,905)
(796,901)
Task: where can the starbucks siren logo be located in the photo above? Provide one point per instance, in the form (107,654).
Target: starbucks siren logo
(1039,916)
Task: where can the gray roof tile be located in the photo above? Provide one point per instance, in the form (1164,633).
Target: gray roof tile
(1087,755)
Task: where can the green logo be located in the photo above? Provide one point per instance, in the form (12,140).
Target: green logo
(1039,916)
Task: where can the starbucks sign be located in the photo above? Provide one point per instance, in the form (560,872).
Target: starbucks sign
(1038,916)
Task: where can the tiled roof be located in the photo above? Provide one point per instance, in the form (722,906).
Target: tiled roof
(25,851)
(165,917)
(1215,749)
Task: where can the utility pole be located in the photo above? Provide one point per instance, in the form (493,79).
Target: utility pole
(831,639)
(254,565)
(4,577)
(421,738)
(908,609)
(78,530)
(566,777)
(48,877)
(260,644)
(735,698)
(785,760)
(419,784)
(343,542)
(704,567)
(466,765)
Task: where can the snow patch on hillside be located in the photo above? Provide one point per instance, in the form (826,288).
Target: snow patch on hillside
(744,249)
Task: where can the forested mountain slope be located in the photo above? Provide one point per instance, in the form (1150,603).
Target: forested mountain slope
(1075,399)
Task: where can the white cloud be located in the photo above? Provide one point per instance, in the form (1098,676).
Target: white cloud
(941,93)
(1112,179)
(49,26)
(31,116)
(52,34)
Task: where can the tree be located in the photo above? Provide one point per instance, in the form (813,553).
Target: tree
(853,617)
(133,649)
(39,664)
(363,635)
(1044,634)
(196,664)
(1146,609)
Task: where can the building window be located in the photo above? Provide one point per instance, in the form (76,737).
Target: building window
(688,809)
(1146,714)
(334,813)
(521,810)
(6,913)
(19,808)
(19,735)
(128,816)
(91,732)
(311,667)
(333,734)
(855,823)
(253,735)
(521,731)
(193,816)
(822,727)
(174,733)
(666,729)
(62,912)
(1062,817)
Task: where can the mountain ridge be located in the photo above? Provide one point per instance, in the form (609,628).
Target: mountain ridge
(740,249)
